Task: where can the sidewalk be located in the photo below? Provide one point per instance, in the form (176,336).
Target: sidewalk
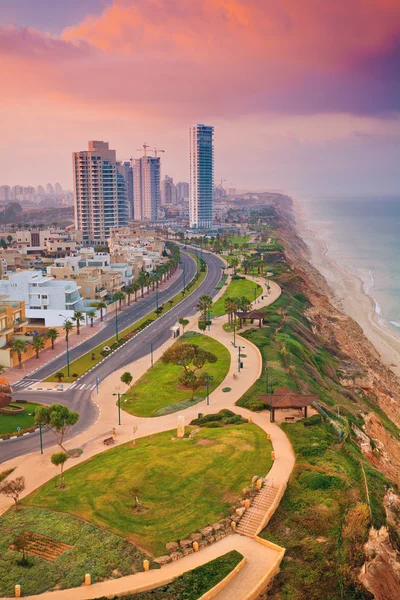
(37,468)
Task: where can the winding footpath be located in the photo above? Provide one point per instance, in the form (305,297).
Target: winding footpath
(262,558)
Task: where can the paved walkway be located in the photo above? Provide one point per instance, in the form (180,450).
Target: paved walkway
(37,469)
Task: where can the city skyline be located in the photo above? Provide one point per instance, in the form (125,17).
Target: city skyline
(305,97)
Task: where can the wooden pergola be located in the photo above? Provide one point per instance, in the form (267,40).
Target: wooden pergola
(285,398)
(252,315)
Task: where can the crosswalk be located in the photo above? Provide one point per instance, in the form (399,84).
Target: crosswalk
(26,383)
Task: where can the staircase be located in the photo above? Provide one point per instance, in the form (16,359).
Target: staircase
(253,517)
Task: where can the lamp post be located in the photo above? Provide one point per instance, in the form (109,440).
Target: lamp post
(116,321)
(119,407)
(234,333)
(182,262)
(208,379)
(40,437)
(66,342)
(239,362)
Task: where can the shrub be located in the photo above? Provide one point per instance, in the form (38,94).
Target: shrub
(212,424)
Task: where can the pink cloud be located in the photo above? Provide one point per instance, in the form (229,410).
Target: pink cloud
(214,57)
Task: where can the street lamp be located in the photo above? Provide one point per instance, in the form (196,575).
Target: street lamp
(40,437)
(116,320)
(66,341)
(119,407)
(234,333)
(239,362)
(182,262)
(208,379)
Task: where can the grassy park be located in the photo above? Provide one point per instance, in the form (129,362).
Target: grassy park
(25,420)
(160,387)
(180,485)
(93,550)
(236,289)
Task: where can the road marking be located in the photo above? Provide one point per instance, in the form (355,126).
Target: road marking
(71,387)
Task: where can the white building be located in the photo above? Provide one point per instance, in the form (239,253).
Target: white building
(45,298)
(182,192)
(201,155)
(101,196)
(168,191)
(146,188)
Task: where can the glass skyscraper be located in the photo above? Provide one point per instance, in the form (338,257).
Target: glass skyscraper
(201,153)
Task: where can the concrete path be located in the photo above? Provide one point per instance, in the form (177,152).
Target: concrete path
(37,468)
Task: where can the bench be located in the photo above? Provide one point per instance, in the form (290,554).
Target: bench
(289,419)
(108,441)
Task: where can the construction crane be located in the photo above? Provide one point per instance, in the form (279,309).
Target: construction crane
(221,182)
(156,151)
(145,146)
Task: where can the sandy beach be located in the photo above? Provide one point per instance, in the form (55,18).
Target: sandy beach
(347,293)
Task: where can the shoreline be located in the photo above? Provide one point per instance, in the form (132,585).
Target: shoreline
(347,292)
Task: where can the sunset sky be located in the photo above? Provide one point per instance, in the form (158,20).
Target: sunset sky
(304,95)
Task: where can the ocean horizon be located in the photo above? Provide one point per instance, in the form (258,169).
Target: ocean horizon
(362,234)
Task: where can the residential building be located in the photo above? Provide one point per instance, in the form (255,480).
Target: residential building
(36,241)
(5,193)
(101,199)
(47,302)
(127,171)
(168,191)
(146,188)
(182,192)
(201,154)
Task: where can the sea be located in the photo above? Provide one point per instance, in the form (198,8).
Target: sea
(362,235)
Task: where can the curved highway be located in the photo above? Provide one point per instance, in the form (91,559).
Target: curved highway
(157,333)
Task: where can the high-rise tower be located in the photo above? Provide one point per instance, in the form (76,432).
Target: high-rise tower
(201,154)
(146,188)
(101,200)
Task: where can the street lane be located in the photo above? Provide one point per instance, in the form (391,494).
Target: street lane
(79,398)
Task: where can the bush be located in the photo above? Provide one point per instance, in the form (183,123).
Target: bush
(212,424)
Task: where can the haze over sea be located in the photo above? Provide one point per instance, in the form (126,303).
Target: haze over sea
(362,235)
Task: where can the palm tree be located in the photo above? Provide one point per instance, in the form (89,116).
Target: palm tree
(91,314)
(136,288)
(38,344)
(203,305)
(19,347)
(234,263)
(68,327)
(78,318)
(245,304)
(118,297)
(52,334)
(129,291)
(142,280)
(101,306)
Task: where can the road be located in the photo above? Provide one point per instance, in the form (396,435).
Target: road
(79,398)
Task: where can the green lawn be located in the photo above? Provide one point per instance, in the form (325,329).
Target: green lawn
(193,584)
(236,289)
(240,239)
(82,364)
(25,420)
(181,485)
(159,387)
(94,551)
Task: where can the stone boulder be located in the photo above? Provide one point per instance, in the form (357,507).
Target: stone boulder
(185,543)
(163,560)
(196,537)
(172,546)
(206,531)
(216,527)
(176,555)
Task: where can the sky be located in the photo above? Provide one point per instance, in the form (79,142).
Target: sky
(304,96)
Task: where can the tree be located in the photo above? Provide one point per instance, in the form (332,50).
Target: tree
(192,381)
(52,334)
(59,459)
(135,288)
(59,375)
(58,418)
(91,315)
(190,356)
(245,304)
(118,297)
(203,305)
(19,347)
(101,306)
(184,323)
(38,344)
(142,281)
(78,318)
(9,239)
(202,325)
(21,543)
(68,327)
(13,489)
(127,378)
(130,289)
(234,263)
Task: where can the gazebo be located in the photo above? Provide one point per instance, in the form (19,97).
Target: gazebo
(285,398)
(252,315)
